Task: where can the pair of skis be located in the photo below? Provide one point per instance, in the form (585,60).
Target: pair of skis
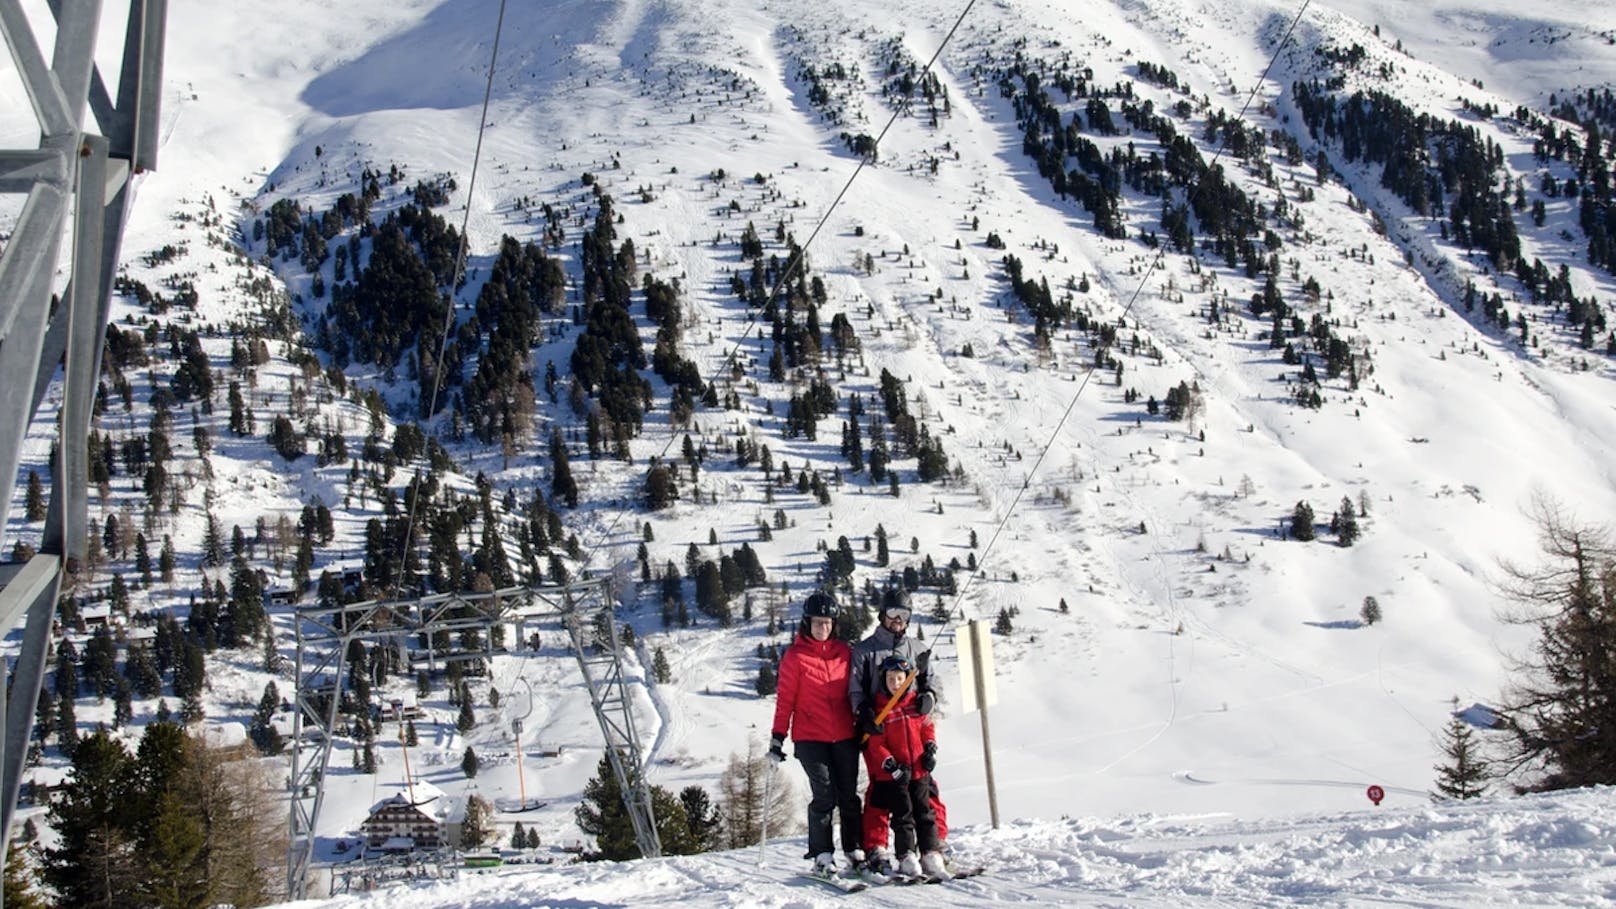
(844,884)
(856,884)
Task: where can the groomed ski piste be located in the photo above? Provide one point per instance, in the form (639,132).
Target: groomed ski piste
(1197,730)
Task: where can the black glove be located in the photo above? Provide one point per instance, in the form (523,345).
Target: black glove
(777,750)
(928,758)
(895,769)
(924,702)
(866,721)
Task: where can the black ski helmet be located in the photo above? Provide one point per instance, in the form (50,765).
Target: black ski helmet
(895,598)
(820,605)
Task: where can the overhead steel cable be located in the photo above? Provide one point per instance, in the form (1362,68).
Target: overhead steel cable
(449,309)
(785,274)
(957,610)
(801,252)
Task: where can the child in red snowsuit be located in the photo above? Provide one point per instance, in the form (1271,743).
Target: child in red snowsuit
(875,819)
(900,758)
(864,683)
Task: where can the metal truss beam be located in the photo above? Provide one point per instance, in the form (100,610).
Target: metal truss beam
(324,635)
(602,666)
(75,179)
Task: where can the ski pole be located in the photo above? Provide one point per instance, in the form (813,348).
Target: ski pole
(763,826)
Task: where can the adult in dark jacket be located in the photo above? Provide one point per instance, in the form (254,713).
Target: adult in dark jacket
(811,704)
(890,636)
(900,758)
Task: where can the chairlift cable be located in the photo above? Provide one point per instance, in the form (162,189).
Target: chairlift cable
(785,274)
(797,257)
(449,311)
(404,548)
(958,612)
(780,281)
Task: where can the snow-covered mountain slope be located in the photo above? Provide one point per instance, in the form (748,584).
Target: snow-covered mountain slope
(1524,55)
(1203,662)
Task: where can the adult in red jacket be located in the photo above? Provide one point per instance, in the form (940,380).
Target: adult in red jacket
(900,758)
(811,704)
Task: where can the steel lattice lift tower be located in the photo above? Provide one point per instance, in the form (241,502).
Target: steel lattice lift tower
(77,187)
(411,628)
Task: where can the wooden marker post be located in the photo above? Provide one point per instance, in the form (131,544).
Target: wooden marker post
(976,660)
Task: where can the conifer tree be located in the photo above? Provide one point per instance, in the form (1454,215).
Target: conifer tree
(1465,774)
(244,614)
(118,594)
(659,667)
(123,708)
(212,541)
(1562,705)
(711,597)
(478,828)
(241,416)
(1344,523)
(469,763)
(660,488)
(143,562)
(264,735)
(174,872)
(601,814)
(284,438)
(141,671)
(768,678)
(674,830)
(192,711)
(66,725)
(34,503)
(467,718)
(701,817)
(271,659)
(66,680)
(1302,522)
(165,560)
(94,863)
(562,486)
(852,621)
(101,662)
(19,892)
